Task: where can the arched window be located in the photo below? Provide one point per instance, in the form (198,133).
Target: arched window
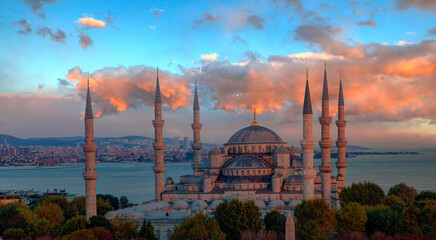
(169,234)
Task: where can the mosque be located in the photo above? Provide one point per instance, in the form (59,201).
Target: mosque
(255,164)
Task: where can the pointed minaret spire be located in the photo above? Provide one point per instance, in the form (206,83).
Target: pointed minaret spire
(196,103)
(254,123)
(341,94)
(307,107)
(88,109)
(325,89)
(157,96)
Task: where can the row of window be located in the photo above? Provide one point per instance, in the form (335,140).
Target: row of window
(245,172)
(252,149)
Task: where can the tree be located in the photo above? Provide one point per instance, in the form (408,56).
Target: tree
(425,195)
(275,221)
(410,219)
(52,214)
(384,219)
(197,227)
(103,206)
(314,220)
(124,228)
(147,231)
(366,193)
(73,224)
(428,218)
(102,234)
(351,218)
(11,217)
(124,202)
(99,221)
(263,234)
(59,200)
(14,233)
(84,234)
(404,192)
(115,202)
(77,206)
(392,200)
(234,217)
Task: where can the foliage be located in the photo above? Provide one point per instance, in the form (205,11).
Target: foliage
(147,231)
(49,218)
(314,220)
(352,236)
(384,219)
(428,218)
(59,200)
(380,236)
(351,218)
(404,192)
(392,200)
(366,193)
(124,228)
(77,206)
(73,224)
(103,206)
(425,195)
(261,235)
(275,221)
(99,221)
(124,202)
(102,234)
(406,236)
(84,234)
(14,233)
(11,217)
(410,219)
(234,217)
(115,202)
(199,226)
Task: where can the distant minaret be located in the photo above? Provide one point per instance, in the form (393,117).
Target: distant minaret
(308,144)
(159,146)
(89,147)
(341,143)
(196,127)
(325,143)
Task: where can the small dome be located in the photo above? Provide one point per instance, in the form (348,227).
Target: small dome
(194,180)
(246,163)
(276,204)
(199,205)
(178,215)
(149,207)
(254,134)
(135,214)
(113,214)
(294,149)
(215,151)
(127,211)
(215,204)
(162,204)
(234,196)
(180,204)
(294,203)
(156,215)
(294,180)
(281,150)
(260,204)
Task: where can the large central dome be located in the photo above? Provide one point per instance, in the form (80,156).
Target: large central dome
(254,134)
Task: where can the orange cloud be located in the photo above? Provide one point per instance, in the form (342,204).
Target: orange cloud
(90,22)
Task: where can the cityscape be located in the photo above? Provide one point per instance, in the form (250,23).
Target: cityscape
(250,120)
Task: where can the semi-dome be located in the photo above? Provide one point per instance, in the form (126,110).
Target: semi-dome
(246,163)
(294,180)
(254,134)
(180,204)
(281,150)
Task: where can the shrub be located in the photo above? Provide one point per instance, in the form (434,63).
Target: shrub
(199,226)
(392,200)
(425,195)
(314,220)
(404,192)
(84,234)
(124,228)
(353,236)
(99,221)
(366,193)
(14,233)
(261,235)
(103,234)
(147,231)
(275,221)
(351,218)
(73,224)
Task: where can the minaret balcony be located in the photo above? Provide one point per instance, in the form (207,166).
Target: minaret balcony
(326,169)
(325,121)
(341,123)
(308,174)
(90,175)
(159,169)
(158,146)
(307,144)
(341,144)
(341,164)
(325,143)
(197,146)
(158,123)
(89,147)
(196,126)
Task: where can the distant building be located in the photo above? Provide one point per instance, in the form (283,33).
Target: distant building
(176,143)
(186,143)
(5,199)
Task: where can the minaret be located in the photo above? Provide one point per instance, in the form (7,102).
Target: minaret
(89,147)
(196,127)
(341,143)
(308,144)
(159,146)
(325,143)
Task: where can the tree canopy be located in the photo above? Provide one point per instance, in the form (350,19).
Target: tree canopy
(314,220)
(198,227)
(366,193)
(404,192)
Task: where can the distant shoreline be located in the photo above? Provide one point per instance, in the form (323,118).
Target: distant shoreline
(40,168)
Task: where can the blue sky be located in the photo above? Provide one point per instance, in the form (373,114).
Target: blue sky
(206,39)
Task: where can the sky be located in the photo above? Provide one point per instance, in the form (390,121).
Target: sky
(245,55)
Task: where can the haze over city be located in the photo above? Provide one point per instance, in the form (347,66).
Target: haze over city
(244,55)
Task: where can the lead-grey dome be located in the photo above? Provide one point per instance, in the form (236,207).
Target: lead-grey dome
(246,163)
(254,134)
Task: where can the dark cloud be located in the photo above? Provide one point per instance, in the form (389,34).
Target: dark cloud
(326,6)
(59,36)
(236,38)
(426,5)
(206,18)
(432,31)
(85,40)
(157,12)
(25,26)
(255,21)
(40,86)
(110,19)
(368,22)
(64,83)
(37,5)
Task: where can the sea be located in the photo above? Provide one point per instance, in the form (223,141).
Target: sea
(136,180)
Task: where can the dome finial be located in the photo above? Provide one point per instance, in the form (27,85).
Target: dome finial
(254,123)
